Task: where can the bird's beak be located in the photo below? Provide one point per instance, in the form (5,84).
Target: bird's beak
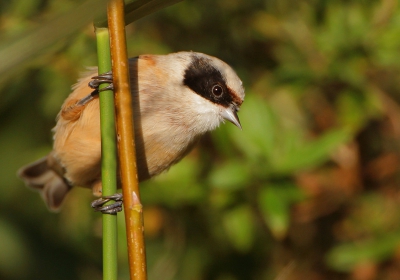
(230,114)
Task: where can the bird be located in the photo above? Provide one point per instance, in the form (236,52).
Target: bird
(176,98)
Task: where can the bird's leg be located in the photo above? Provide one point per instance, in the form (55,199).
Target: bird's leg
(73,109)
(87,98)
(108,209)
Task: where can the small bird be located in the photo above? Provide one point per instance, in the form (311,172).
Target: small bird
(176,98)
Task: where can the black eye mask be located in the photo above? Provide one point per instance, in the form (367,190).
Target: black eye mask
(207,81)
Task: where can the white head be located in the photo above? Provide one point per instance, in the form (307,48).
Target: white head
(216,83)
(204,84)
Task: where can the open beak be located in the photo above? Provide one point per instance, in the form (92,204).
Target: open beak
(230,114)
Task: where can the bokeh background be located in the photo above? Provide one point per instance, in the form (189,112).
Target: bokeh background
(309,189)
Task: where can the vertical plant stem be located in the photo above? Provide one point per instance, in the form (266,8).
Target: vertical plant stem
(108,153)
(127,154)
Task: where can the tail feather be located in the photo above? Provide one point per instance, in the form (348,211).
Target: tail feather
(51,186)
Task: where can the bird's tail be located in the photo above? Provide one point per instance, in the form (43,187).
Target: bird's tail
(39,176)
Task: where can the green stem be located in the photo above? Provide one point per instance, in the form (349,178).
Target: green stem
(109,160)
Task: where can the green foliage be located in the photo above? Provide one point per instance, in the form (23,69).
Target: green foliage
(239,227)
(309,187)
(275,202)
(345,257)
(19,51)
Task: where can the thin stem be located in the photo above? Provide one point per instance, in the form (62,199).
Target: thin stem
(109,161)
(127,154)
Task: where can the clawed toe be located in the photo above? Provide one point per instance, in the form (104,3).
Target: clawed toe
(94,84)
(101,79)
(98,204)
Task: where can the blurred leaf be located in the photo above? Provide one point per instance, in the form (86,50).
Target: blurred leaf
(284,147)
(354,109)
(138,9)
(257,140)
(232,175)
(275,202)
(179,186)
(16,53)
(350,111)
(221,198)
(298,156)
(239,227)
(345,257)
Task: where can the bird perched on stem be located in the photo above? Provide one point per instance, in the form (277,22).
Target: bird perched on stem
(176,98)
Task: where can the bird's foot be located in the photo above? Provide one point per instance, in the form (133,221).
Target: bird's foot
(101,79)
(94,84)
(98,204)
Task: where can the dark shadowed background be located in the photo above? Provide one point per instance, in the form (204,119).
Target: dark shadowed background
(309,189)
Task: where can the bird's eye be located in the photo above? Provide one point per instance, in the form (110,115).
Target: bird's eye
(217,90)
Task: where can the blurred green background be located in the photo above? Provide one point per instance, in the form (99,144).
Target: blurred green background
(309,189)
